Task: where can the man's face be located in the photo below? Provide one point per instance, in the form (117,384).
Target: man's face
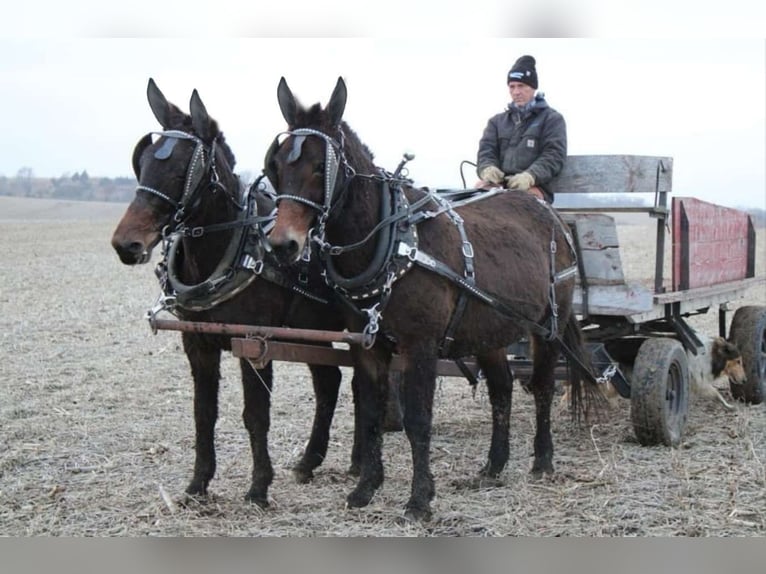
(521,94)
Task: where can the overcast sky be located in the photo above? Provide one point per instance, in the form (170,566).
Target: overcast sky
(80,103)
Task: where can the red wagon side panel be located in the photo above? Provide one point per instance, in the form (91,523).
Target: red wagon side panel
(711,244)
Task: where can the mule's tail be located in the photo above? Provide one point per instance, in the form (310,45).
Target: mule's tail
(585,398)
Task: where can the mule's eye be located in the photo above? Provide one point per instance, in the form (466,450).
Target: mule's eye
(319,168)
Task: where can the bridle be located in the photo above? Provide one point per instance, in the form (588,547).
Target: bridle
(201,163)
(334,159)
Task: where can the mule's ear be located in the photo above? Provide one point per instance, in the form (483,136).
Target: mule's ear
(160,106)
(337,104)
(287,103)
(205,127)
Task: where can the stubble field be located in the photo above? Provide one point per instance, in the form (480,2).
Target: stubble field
(96,425)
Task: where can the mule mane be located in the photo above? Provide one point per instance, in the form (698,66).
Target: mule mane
(358,154)
(227,153)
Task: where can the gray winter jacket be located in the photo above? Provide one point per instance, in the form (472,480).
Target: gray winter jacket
(533,140)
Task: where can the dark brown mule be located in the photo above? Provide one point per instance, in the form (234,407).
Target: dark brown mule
(330,190)
(186,181)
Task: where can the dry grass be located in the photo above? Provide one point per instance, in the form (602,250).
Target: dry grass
(96,429)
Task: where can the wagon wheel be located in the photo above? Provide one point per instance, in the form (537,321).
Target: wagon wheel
(659,392)
(748,332)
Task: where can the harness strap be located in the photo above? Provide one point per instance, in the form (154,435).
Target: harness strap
(432,264)
(276,276)
(200,231)
(467,373)
(445,204)
(159,194)
(469,273)
(457,315)
(409,214)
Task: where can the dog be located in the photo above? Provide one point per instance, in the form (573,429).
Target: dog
(720,362)
(717,363)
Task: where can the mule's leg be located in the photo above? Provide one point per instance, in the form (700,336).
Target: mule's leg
(256,386)
(204,360)
(499,387)
(356,449)
(393,421)
(542,383)
(419,381)
(326,381)
(371,383)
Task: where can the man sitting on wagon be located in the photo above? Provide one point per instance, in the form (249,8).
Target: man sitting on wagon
(524,147)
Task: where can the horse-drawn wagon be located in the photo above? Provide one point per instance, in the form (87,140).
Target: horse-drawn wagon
(636,330)
(236,281)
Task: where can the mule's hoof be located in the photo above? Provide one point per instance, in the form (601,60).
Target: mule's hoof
(487,481)
(538,471)
(417,513)
(487,472)
(258,499)
(197,489)
(190,501)
(302,475)
(359,498)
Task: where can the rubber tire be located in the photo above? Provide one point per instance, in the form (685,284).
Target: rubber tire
(659,392)
(748,333)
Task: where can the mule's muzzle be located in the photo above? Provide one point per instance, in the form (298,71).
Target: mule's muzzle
(286,251)
(132,252)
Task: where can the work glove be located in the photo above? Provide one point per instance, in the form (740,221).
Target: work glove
(492,174)
(521,181)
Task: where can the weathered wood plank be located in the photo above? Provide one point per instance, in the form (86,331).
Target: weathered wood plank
(598,246)
(614,174)
(711,244)
(594,230)
(614,300)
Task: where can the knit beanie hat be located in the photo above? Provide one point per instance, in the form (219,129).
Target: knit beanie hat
(524,71)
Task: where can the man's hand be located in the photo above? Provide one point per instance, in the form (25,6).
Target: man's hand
(492,174)
(521,181)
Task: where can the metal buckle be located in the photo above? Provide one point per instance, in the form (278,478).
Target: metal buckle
(607,375)
(255,265)
(164,303)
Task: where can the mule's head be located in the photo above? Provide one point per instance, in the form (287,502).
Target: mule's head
(727,359)
(303,168)
(172,169)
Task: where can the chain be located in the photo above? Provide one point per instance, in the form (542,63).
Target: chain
(371,329)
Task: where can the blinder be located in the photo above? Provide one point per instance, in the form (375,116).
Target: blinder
(269,167)
(142,144)
(166,148)
(295,153)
